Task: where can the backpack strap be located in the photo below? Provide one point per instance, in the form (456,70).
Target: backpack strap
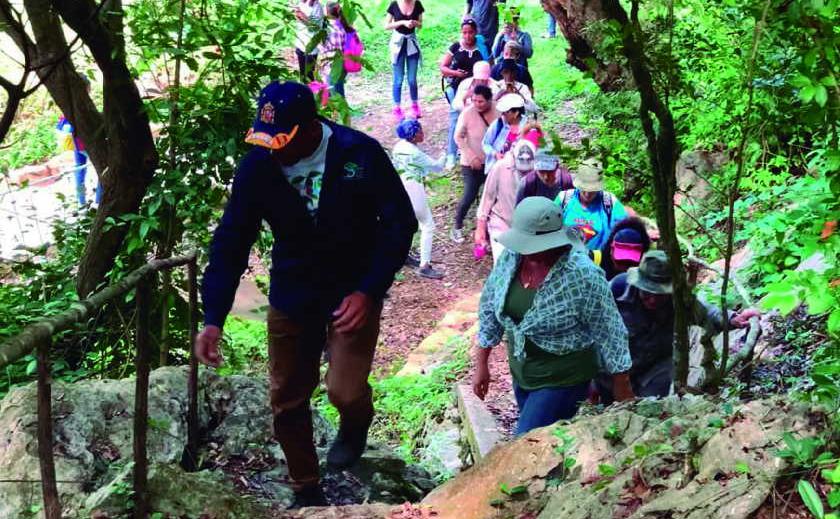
(608,200)
(565,200)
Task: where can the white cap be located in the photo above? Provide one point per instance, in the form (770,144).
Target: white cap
(509,101)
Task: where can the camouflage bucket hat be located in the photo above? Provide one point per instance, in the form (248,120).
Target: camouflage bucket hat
(653,274)
(589,176)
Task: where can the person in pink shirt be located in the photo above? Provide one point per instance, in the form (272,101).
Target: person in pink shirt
(499,198)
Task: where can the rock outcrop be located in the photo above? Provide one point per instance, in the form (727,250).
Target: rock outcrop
(683,459)
(245,472)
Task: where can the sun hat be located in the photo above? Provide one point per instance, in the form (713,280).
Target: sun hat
(545,161)
(537,226)
(481,70)
(523,155)
(653,274)
(509,102)
(627,245)
(590,176)
(281,108)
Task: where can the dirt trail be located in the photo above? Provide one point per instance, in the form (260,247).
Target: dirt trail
(416,304)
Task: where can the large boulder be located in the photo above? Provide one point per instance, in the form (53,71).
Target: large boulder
(688,458)
(92,425)
(92,429)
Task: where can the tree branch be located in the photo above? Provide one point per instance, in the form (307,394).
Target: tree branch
(736,189)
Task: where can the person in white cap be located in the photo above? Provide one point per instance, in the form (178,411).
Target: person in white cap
(466,89)
(501,135)
(499,197)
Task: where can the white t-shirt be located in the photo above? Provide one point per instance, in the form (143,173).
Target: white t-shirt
(305,31)
(307,174)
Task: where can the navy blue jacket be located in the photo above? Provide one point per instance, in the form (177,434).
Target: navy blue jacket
(358,239)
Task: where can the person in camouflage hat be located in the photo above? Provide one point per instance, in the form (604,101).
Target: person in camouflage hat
(643,297)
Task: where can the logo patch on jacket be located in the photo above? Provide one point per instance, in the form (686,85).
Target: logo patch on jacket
(353,171)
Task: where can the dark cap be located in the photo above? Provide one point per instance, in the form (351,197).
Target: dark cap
(281,108)
(509,64)
(469,21)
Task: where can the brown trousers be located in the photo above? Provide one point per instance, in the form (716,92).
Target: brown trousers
(294,354)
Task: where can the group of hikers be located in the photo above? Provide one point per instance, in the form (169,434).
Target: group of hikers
(577,289)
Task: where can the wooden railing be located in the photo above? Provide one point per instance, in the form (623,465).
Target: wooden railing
(38,337)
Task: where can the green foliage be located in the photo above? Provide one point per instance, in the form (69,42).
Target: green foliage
(245,346)
(31,140)
(805,452)
(405,404)
(810,498)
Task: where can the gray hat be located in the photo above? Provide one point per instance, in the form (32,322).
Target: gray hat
(653,274)
(546,161)
(537,226)
(589,176)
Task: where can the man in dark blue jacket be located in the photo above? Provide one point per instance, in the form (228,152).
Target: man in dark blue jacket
(342,226)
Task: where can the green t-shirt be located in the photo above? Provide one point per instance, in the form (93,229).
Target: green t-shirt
(540,369)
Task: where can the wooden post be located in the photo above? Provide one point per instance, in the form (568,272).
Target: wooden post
(190,461)
(52,506)
(141,399)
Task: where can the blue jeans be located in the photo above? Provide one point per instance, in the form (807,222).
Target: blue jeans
(545,406)
(405,65)
(81,172)
(451,147)
(552,25)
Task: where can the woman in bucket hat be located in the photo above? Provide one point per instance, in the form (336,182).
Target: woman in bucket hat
(555,308)
(644,301)
(588,208)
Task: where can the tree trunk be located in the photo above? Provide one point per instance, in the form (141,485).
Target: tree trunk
(572,17)
(118,140)
(663,153)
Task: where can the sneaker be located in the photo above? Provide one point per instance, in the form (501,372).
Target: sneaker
(412,260)
(347,448)
(450,162)
(456,235)
(427,271)
(415,110)
(309,496)
(398,114)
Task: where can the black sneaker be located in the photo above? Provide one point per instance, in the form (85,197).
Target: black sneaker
(412,260)
(347,448)
(309,496)
(427,271)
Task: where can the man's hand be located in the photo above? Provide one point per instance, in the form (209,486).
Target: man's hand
(481,381)
(352,313)
(742,320)
(477,163)
(622,390)
(207,346)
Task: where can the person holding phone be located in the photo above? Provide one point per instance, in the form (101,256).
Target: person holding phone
(404,18)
